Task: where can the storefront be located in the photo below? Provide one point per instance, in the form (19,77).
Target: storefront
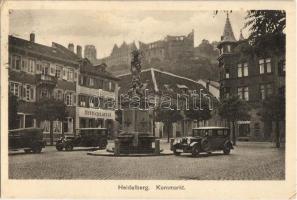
(95,118)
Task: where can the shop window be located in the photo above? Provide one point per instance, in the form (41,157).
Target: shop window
(68,125)
(45,125)
(29,121)
(57,126)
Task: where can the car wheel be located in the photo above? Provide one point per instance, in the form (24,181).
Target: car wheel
(69,147)
(103,145)
(176,152)
(205,145)
(226,150)
(27,150)
(195,151)
(37,149)
(59,148)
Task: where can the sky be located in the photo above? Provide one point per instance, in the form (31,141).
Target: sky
(104,29)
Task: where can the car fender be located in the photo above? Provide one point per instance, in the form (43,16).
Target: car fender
(193,144)
(229,143)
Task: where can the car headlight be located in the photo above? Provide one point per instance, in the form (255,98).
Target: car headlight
(176,141)
(188,141)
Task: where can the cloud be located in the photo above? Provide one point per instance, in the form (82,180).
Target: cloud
(104,29)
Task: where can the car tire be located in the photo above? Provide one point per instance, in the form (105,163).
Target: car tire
(37,149)
(205,145)
(68,147)
(195,151)
(176,152)
(59,148)
(27,150)
(103,145)
(226,149)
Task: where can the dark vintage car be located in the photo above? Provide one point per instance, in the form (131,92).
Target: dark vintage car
(86,137)
(29,139)
(204,139)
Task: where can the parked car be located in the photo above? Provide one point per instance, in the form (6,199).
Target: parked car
(204,139)
(86,137)
(29,139)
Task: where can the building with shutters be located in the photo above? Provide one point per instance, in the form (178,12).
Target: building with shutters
(37,71)
(97,97)
(253,78)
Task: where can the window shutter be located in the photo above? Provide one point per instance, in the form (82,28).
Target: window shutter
(64,73)
(74,99)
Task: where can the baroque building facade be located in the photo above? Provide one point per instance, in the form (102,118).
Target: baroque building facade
(36,72)
(97,97)
(252,77)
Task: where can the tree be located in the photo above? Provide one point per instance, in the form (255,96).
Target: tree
(51,110)
(12,111)
(274,109)
(168,117)
(202,113)
(267,30)
(233,109)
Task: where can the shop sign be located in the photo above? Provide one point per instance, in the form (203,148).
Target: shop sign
(96,113)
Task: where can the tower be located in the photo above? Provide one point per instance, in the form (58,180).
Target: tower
(226,58)
(90,53)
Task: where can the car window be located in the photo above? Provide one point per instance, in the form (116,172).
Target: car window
(226,132)
(220,133)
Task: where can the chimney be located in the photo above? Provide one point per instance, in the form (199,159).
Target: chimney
(207,85)
(32,37)
(79,51)
(71,47)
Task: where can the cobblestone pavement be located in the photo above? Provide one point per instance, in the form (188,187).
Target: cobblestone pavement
(248,161)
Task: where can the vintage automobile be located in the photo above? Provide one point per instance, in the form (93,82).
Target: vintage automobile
(204,139)
(86,137)
(29,139)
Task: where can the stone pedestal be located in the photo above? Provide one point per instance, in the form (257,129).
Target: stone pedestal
(137,134)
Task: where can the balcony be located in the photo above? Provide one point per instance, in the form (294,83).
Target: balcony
(46,80)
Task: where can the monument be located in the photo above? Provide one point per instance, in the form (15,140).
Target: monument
(137,123)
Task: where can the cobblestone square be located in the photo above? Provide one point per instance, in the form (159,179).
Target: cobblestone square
(248,161)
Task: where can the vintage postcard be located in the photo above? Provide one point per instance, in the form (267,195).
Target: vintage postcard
(148,99)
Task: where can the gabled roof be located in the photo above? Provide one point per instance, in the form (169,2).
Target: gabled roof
(228,35)
(160,81)
(57,51)
(98,70)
